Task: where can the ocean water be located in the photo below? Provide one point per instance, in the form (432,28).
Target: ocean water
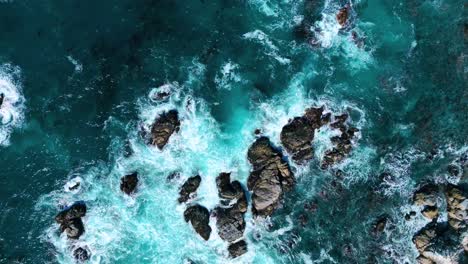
(78,79)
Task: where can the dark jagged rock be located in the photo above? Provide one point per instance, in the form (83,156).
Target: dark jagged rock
(188,188)
(70,220)
(270,178)
(74,228)
(457,207)
(2,97)
(164,126)
(229,191)
(230,224)
(76,210)
(343,144)
(343,15)
(199,217)
(128,183)
(237,249)
(298,134)
(81,254)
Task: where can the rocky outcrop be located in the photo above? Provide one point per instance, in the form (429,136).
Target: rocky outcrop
(70,220)
(426,195)
(199,217)
(379,226)
(81,254)
(343,14)
(457,207)
(270,177)
(342,144)
(128,183)
(230,221)
(163,127)
(298,134)
(237,249)
(437,243)
(441,242)
(230,192)
(2,97)
(189,188)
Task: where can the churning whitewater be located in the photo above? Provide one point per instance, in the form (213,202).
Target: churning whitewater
(257,131)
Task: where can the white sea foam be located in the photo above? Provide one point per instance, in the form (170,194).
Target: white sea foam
(270,48)
(77,64)
(12,108)
(227,76)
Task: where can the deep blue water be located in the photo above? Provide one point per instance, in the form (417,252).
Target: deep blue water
(77,77)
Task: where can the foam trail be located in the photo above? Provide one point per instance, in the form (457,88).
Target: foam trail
(12,107)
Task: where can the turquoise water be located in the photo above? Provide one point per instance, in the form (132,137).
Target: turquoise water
(77,78)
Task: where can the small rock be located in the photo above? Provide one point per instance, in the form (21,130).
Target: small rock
(163,128)
(237,249)
(188,188)
(2,97)
(379,226)
(199,217)
(343,15)
(81,254)
(230,224)
(128,183)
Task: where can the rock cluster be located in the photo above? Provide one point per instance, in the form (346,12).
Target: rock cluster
(439,242)
(342,144)
(270,177)
(70,220)
(163,127)
(298,134)
(230,215)
(189,188)
(128,183)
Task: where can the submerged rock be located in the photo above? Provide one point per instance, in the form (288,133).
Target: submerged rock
(188,188)
(70,220)
(237,249)
(81,254)
(270,178)
(128,183)
(164,126)
(199,217)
